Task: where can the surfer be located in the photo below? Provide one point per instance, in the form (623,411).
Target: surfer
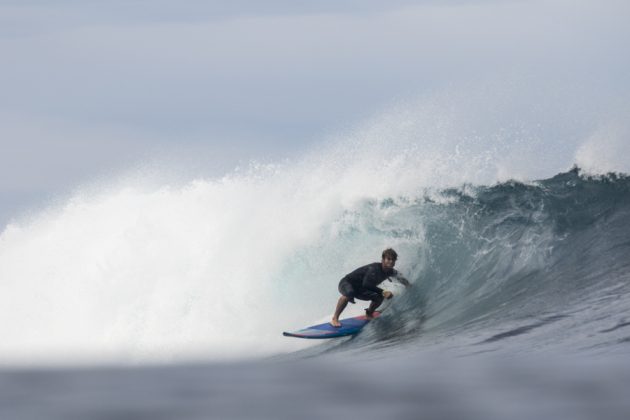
(363,283)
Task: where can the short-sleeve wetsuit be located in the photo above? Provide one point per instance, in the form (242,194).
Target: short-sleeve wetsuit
(363,282)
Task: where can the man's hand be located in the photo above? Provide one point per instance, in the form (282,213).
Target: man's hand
(403,281)
(387,294)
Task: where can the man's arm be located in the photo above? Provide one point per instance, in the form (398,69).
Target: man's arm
(370,282)
(400,278)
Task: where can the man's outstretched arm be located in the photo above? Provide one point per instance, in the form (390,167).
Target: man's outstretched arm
(402,280)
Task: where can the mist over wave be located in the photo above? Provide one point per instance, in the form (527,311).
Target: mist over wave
(140,269)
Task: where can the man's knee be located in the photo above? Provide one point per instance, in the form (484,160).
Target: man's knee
(346,299)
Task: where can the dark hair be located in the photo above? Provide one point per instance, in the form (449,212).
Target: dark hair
(390,253)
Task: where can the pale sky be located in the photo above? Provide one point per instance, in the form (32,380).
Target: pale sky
(90,89)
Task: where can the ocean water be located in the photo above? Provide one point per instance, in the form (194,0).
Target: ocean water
(519,305)
(164,296)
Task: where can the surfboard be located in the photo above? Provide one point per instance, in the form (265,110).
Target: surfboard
(349,326)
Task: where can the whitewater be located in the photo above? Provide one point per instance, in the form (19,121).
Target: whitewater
(185,285)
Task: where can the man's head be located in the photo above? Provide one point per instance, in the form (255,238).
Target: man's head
(389,259)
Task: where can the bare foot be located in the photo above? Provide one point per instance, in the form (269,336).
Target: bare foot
(335,323)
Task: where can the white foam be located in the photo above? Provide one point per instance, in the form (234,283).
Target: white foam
(606,150)
(219,267)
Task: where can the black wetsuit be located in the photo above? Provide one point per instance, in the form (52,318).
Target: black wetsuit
(363,282)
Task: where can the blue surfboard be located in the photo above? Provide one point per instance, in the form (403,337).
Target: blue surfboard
(349,326)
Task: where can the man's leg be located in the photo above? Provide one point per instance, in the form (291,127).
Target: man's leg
(341,305)
(376,302)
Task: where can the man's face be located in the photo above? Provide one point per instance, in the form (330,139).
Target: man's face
(388,263)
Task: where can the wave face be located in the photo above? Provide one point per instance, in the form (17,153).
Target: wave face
(214,269)
(516,267)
